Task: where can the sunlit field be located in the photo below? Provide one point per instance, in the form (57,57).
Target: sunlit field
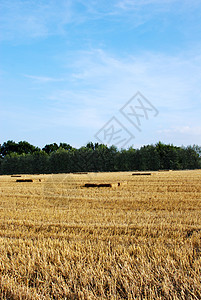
(138,240)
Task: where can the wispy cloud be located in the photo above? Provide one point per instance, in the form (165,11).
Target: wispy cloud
(103,83)
(181,135)
(190,130)
(134,5)
(173,81)
(44,79)
(38,19)
(81,61)
(32,19)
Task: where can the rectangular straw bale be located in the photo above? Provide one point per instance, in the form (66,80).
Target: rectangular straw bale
(141,174)
(114,184)
(24,180)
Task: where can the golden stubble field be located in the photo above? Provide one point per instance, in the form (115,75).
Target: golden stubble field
(61,240)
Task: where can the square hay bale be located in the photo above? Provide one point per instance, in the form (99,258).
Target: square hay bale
(80,173)
(30,180)
(111,185)
(142,174)
(90,185)
(105,185)
(24,180)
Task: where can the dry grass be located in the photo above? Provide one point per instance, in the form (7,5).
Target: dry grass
(142,240)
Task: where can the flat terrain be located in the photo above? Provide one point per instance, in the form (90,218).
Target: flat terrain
(138,240)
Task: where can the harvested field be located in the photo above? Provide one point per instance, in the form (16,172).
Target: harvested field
(60,240)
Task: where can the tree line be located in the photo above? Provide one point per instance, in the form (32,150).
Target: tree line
(24,158)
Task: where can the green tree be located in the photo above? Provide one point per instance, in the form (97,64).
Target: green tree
(65,146)
(10,147)
(49,148)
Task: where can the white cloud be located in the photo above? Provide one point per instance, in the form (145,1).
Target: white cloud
(23,20)
(44,79)
(181,135)
(190,130)
(131,4)
(31,19)
(172,81)
(103,83)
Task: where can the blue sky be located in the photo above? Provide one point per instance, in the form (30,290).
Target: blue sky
(67,67)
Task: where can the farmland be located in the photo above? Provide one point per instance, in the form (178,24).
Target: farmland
(140,239)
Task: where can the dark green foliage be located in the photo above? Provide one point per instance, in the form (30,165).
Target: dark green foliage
(65,146)
(22,147)
(25,164)
(25,158)
(50,148)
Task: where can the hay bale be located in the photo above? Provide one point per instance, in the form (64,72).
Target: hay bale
(98,185)
(91,185)
(141,174)
(105,185)
(24,180)
(30,180)
(81,173)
